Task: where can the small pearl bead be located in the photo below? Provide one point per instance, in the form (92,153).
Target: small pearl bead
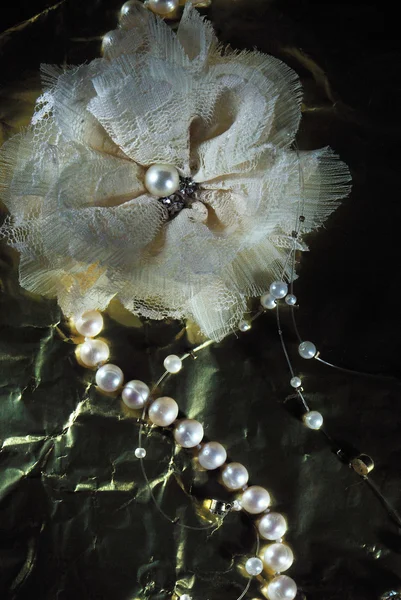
(109,378)
(235,476)
(254,566)
(272,526)
(90,323)
(267,301)
(255,499)
(129,7)
(163,411)
(188,433)
(135,394)
(212,456)
(278,557)
(279,289)
(140,452)
(185,597)
(296,382)
(291,300)
(172,363)
(93,352)
(281,588)
(110,39)
(162,180)
(163,7)
(307,350)
(236,505)
(313,419)
(244,326)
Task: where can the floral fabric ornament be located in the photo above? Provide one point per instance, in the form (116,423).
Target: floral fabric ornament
(82,218)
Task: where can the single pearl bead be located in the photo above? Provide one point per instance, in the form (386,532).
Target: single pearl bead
(129,7)
(140,452)
(279,289)
(185,597)
(110,39)
(163,7)
(244,326)
(236,505)
(272,526)
(307,350)
(109,378)
(254,566)
(313,419)
(90,323)
(93,352)
(281,588)
(278,557)
(163,411)
(172,363)
(135,394)
(162,180)
(212,455)
(296,382)
(255,499)
(234,476)
(291,300)
(188,433)
(267,301)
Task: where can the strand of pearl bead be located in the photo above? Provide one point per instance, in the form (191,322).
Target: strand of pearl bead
(307,350)
(188,433)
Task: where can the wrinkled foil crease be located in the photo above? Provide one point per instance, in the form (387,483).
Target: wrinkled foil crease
(76,518)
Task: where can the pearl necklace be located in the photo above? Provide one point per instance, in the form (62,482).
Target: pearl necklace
(275,556)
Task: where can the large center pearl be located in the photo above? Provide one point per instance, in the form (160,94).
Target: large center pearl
(162,180)
(163,7)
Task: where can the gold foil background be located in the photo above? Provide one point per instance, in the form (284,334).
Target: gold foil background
(76,517)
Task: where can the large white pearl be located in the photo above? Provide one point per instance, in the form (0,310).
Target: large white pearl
(307,350)
(163,7)
(281,588)
(278,557)
(235,476)
(279,289)
(109,378)
(188,433)
(254,566)
(268,301)
(255,499)
(272,526)
(162,180)
(90,323)
(212,456)
(135,394)
(163,411)
(93,352)
(172,363)
(313,419)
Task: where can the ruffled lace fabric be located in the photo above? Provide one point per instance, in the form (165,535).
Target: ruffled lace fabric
(81,217)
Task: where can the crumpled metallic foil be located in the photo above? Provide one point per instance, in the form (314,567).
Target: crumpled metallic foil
(77,520)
